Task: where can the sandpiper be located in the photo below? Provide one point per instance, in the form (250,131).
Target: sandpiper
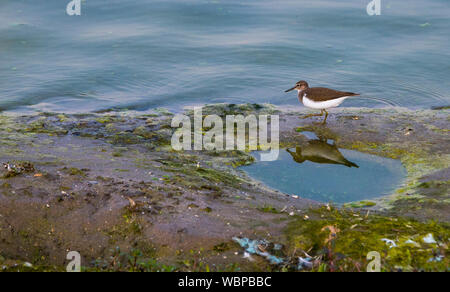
(318,151)
(319,98)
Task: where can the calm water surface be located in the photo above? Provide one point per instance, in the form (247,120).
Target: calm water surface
(322,172)
(140,54)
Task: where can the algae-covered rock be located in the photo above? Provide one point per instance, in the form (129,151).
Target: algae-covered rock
(91,165)
(413,248)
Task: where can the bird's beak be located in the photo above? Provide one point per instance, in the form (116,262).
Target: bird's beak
(289,90)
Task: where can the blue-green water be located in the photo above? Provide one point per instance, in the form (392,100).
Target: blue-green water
(140,54)
(321,172)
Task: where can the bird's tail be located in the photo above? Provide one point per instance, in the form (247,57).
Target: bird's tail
(350,164)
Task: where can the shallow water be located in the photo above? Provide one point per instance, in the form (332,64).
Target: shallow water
(145,54)
(320,171)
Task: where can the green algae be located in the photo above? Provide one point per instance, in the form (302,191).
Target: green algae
(224,246)
(74,171)
(269,209)
(124,138)
(143,131)
(217,176)
(207,210)
(138,259)
(107,119)
(361,204)
(183,168)
(238,109)
(62,118)
(44,126)
(355,235)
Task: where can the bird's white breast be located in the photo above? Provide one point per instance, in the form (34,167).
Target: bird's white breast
(322,104)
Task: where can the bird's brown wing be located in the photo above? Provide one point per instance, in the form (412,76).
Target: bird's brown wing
(324,94)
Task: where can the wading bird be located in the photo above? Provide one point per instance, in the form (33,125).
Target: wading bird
(319,98)
(318,151)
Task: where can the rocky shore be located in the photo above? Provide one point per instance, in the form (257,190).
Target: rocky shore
(110,186)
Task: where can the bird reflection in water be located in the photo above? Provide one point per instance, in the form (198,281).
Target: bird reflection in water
(320,151)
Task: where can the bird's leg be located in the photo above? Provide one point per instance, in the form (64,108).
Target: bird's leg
(314,115)
(326,116)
